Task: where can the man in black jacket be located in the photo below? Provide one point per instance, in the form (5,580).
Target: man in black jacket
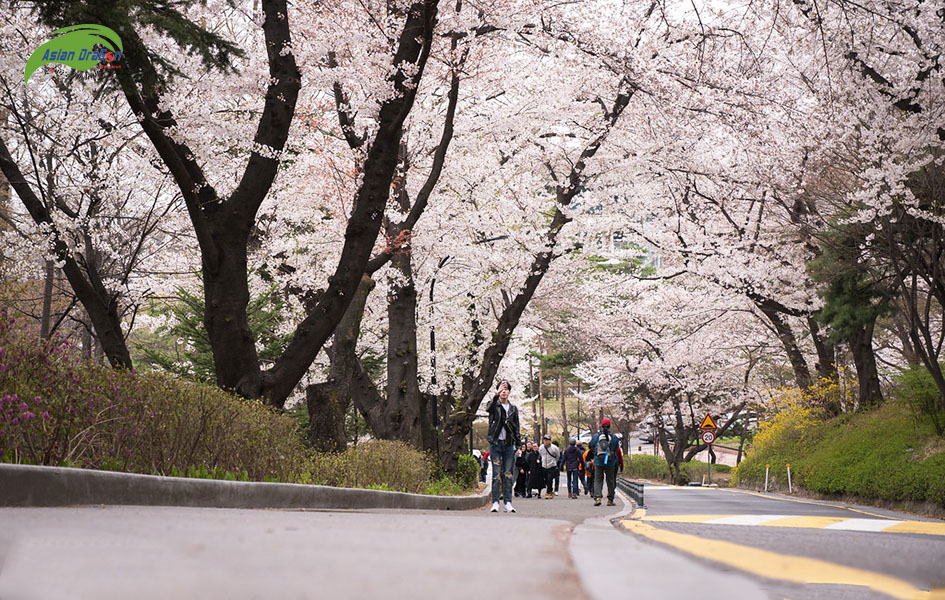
(503,438)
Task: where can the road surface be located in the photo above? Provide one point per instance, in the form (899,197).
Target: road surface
(799,549)
(549,549)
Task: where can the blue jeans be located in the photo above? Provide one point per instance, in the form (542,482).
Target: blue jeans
(503,467)
(573,478)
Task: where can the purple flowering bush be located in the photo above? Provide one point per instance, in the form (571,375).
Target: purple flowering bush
(56,408)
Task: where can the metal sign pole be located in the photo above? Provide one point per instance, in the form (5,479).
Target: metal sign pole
(709,463)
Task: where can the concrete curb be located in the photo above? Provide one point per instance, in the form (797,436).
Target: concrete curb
(27,485)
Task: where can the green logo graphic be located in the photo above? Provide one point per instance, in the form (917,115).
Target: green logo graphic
(74,47)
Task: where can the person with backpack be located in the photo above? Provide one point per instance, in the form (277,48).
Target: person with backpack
(549,463)
(572,462)
(503,438)
(606,449)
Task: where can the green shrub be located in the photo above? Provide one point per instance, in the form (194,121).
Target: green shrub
(394,464)
(885,454)
(645,466)
(467,473)
(59,409)
(444,486)
(694,470)
(916,387)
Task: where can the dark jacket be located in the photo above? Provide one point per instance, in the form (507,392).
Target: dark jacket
(536,475)
(521,462)
(571,457)
(613,457)
(499,419)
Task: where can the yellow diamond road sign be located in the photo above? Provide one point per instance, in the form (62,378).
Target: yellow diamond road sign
(708,423)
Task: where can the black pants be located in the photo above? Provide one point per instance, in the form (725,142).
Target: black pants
(610,473)
(551,475)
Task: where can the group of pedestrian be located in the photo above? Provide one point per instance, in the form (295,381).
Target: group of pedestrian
(534,467)
(537,466)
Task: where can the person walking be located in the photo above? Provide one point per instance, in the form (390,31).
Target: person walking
(521,466)
(549,462)
(560,468)
(572,463)
(484,466)
(536,476)
(607,455)
(503,438)
(587,470)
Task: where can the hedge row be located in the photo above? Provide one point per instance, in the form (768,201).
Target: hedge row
(57,408)
(646,466)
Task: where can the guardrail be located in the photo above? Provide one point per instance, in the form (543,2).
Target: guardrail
(634,489)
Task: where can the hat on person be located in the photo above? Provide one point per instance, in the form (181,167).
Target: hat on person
(573,441)
(547,436)
(605,422)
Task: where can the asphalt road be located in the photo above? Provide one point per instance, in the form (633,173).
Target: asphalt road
(799,549)
(549,549)
(559,548)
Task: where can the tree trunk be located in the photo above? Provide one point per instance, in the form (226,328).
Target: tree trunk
(402,414)
(327,406)
(404,403)
(826,363)
(788,342)
(741,442)
(226,296)
(328,402)
(564,409)
(861,345)
(536,424)
(826,366)
(45,323)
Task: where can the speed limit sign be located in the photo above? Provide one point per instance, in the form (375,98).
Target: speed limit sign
(708,437)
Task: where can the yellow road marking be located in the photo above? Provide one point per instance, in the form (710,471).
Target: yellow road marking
(806,522)
(926,527)
(780,566)
(803,522)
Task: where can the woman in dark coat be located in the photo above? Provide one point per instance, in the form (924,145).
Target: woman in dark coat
(521,466)
(536,475)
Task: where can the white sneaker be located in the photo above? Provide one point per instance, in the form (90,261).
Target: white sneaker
(495,507)
(508,507)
